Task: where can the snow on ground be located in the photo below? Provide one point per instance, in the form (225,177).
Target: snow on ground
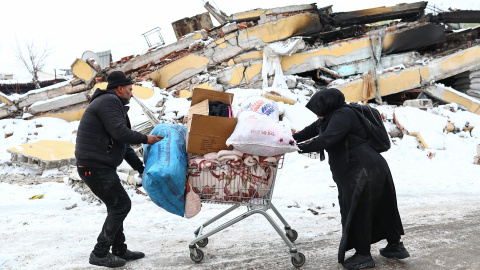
(43,234)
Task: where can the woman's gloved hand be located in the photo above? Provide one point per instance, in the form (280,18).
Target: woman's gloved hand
(302,148)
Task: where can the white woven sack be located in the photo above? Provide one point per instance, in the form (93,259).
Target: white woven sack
(257,134)
(261,105)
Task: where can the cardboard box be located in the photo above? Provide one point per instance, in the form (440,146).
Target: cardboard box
(206,134)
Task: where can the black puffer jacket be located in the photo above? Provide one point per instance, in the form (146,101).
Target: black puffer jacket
(104,134)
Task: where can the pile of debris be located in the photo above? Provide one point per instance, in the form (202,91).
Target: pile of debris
(389,54)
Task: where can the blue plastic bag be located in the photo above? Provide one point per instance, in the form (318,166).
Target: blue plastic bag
(166,168)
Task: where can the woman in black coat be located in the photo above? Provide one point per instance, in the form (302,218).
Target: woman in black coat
(366,192)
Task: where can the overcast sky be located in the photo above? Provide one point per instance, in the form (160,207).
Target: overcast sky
(70,28)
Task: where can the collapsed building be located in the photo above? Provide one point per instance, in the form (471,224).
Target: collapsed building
(385,55)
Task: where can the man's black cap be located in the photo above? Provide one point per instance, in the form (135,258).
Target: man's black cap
(117,78)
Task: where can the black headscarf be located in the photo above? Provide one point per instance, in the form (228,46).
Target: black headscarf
(324,103)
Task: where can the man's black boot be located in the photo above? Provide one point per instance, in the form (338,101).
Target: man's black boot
(358,261)
(110,260)
(131,255)
(395,251)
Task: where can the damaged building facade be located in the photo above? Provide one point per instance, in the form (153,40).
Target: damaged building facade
(383,55)
(352,51)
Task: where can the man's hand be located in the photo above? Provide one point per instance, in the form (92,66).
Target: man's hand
(153,139)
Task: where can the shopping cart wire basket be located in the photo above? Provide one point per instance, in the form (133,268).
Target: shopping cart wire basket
(237,184)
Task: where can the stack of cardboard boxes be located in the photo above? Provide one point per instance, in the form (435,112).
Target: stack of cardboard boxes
(206,134)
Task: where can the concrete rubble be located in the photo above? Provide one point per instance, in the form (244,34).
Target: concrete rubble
(44,154)
(386,55)
(376,48)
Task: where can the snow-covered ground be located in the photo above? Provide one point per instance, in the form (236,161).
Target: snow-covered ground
(43,234)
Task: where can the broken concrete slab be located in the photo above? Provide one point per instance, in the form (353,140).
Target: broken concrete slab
(254,15)
(186,26)
(241,74)
(229,27)
(250,67)
(419,103)
(7,110)
(365,65)
(45,154)
(417,76)
(459,16)
(155,56)
(53,91)
(371,15)
(332,54)
(450,95)
(70,114)
(179,70)
(296,25)
(57,103)
(244,57)
(225,48)
(83,70)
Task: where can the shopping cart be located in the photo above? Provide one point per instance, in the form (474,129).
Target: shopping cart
(250,186)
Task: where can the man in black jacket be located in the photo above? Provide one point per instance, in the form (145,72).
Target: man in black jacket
(103,142)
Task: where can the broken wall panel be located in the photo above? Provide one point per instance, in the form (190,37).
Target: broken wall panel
(365,65)
(450,95)
(224,49)
(232,45)
(334,54)
(73,113)
(460,16)
(249,39)
(186,26)
(330,55)
(371,15)
(252,15)
(44,154)
(83,70)
(44,94)
(179,70)
(248,56)
(417,76)
(414,38)
(300,24)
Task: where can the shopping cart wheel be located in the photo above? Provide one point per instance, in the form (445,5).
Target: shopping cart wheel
(292,235)
(199,256)
(203,242)
(300,262)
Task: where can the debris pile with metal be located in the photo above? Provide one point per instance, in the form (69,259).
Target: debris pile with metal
(368,54)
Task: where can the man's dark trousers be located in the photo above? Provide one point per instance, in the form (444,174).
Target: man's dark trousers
(105,183)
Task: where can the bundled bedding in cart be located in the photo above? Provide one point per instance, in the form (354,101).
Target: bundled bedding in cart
(231,175)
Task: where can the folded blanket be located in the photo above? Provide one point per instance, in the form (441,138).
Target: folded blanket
(211,157)
(250,160)
(227,155)
(237,177)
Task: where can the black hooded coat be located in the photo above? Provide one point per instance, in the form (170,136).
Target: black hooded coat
(104,133)
(366,192)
